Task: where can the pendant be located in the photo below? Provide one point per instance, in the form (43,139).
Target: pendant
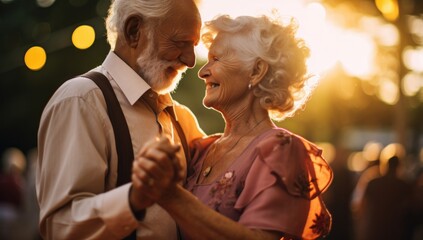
(207,171)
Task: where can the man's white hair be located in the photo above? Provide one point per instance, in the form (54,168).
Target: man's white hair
(120,10)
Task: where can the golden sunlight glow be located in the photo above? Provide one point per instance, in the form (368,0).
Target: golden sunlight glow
(389,9)
(211,9)
(358,54)
(320,36)
(83,37)
(35,58)
(328,43)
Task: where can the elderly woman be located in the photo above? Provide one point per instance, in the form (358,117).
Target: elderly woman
(254,181)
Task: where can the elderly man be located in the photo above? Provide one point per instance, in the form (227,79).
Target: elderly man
(78,187)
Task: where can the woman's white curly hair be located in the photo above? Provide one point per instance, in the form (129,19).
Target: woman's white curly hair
(287,84)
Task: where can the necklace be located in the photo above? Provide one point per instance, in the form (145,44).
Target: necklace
(206,172)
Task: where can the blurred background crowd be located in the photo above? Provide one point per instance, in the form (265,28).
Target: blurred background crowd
(367,108)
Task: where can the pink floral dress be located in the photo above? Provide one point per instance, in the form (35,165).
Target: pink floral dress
(274,184)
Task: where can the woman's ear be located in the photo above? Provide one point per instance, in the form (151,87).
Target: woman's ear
(260,69)
(133,29)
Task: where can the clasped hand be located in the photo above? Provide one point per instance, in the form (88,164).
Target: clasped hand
(155,170)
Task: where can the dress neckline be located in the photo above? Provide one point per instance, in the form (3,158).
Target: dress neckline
(247,149)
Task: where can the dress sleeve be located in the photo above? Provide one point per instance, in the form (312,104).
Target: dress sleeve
(283,188)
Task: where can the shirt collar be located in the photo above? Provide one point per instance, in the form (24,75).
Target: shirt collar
(131,84)
(158,102)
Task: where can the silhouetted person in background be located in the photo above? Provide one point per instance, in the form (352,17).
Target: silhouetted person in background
(382,214)
(338,199)
(32,210)
(12,184)
(415,217)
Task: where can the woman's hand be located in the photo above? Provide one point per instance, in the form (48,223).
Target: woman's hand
(155,169)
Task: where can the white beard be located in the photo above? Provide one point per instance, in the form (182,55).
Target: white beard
(153,71)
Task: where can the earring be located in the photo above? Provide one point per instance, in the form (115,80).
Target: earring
(249,86)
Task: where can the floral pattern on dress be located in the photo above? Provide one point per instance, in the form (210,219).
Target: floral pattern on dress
(220,189)
(321,224)
(303,185)
(284,137)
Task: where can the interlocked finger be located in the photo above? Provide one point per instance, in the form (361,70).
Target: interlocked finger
(150,182)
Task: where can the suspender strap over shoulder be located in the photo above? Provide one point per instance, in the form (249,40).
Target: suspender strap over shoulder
(121,130)
(180,134)
(120,127)
(122,134)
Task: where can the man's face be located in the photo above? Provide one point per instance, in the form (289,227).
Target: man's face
(170,49)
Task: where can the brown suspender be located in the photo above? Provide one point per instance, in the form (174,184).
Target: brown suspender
(120,127)
(181,134)
(121,130)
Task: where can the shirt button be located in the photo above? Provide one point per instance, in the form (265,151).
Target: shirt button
(150,95)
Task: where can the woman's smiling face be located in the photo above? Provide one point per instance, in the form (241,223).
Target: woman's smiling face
(225,75)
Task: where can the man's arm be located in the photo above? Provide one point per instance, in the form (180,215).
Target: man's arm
(75,158)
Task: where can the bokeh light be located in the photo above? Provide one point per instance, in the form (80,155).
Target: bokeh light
(371,151)
(389,8)
(13,160)
(45,3)
(83,37)
(412,83)
(413,58)
(393,149)
(356,162)
(387,35)
(415,25)
(35,58)
(328,151)
(389,91)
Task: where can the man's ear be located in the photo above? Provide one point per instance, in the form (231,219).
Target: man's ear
(260,69)
(133,30)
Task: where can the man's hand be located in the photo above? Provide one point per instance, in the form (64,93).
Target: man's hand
(155,169)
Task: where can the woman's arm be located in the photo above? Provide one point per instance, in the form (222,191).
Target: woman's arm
(198,221)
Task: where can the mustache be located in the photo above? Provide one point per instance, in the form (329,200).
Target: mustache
(178,67)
